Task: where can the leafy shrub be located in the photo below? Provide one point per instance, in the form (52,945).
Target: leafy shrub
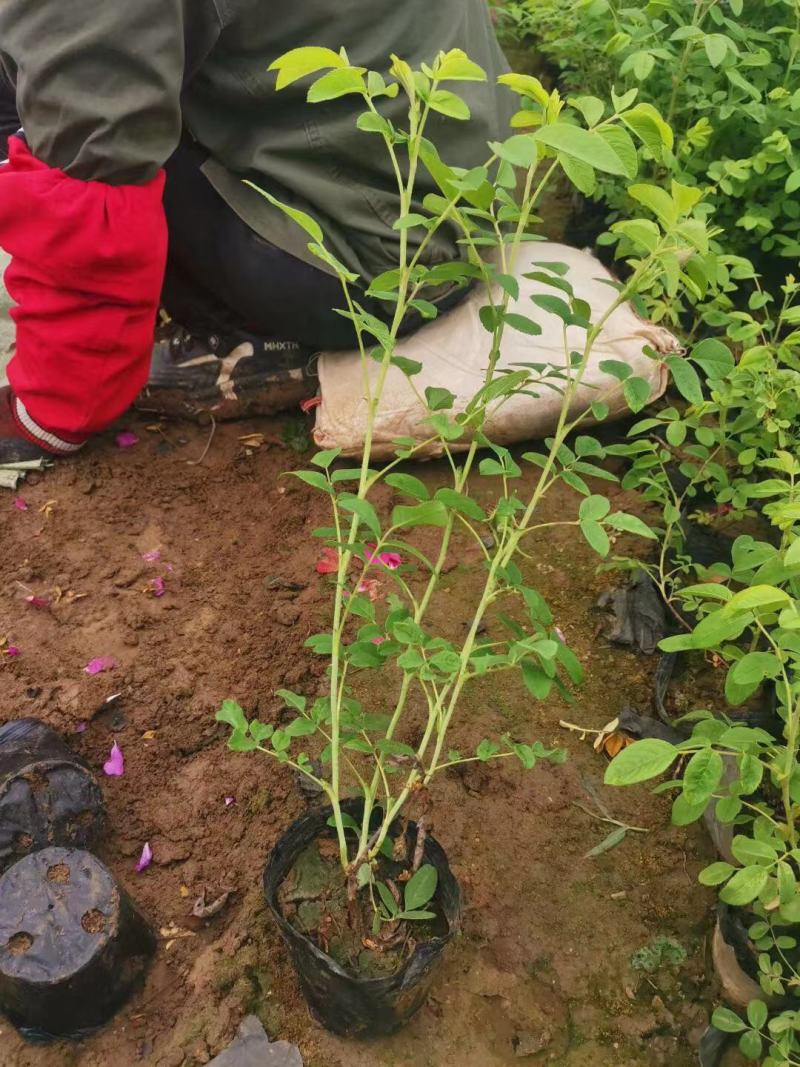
(725,74)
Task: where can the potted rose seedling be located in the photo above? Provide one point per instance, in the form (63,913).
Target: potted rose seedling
(361,890)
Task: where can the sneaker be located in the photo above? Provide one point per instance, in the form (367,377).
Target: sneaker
(22,439)
(229,376)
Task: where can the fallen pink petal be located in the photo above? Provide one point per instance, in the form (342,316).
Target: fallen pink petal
(114,766)
(41,602)
(378,640)
(153,556)
(12,651)
(102,663)
(310,404)
(328,562)
(126,439)
(146,857)
(157,586)
(80,727)
(20,504)
(560,634)
(229,801)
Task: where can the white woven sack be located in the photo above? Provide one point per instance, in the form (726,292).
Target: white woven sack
(453,351)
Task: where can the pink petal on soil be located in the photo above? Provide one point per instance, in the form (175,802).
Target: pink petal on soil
(560,634)
(153,556)
(80,727)
(146,857)
(328,562)
(38,601)
(310,404)
(12,650)
(229,801)
(20,504)
(102,663)
(157,586)
(126,439)
(114,766)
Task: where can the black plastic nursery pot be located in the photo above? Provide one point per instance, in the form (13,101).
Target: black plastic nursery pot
(343,1003)
(72,944)
(48,795)
(736,960)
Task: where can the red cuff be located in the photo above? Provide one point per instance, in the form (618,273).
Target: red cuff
(86,273)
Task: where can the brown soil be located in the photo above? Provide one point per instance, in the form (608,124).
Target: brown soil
(543,971)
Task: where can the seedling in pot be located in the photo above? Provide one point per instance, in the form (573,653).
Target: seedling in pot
(446,212)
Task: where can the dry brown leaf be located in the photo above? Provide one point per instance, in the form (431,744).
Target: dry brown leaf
(614,744)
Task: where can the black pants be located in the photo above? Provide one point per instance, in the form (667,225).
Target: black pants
(221,275)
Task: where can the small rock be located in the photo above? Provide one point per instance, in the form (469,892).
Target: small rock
(166,852)
(526,1044)
(286,614)
(252,1048)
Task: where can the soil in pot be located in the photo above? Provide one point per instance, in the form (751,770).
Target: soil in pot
(314,900)
(358,982)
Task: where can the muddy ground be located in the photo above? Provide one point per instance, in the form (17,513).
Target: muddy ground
(544,970)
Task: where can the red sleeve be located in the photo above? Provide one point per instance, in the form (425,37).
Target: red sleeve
(87,268)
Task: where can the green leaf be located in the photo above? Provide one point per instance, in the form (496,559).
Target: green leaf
(408,484)
(728,1021)
(430,513)
(716,873)
(447,103)
(650,128)
(745,886)
(439,399)
(486,750)
(716,46)
(702,775)
(686,379)
(584,145)
(621,142)
(303,220)
(388,900)
(421,887)
(409,367)
(231,713)
(465,505)
(455,65)
(313,478)
(640,761)
(522,323)
(417,915)
(620,520)
(363,509)
(594,508)
(300,62)
(554,305)
(615,838)
(714,357)
(685,811)
(615,368)
(757,1014)
(750,1045)
(324,459)
(636,392)
(596,536)
(520,150)
(337,83)
(749,851)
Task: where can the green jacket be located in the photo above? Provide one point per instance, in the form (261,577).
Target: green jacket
(106,87)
